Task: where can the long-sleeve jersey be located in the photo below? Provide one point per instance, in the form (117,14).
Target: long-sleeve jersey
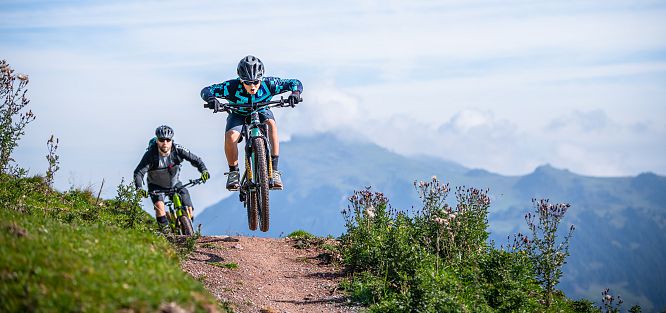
(234,92)
(164,171)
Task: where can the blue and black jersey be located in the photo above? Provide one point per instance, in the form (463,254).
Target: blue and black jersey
(234,92)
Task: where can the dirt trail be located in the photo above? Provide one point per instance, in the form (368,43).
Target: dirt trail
(271,275)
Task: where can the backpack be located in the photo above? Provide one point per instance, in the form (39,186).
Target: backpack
(152,142)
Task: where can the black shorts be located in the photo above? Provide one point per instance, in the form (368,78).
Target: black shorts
(236,121)
(184,195)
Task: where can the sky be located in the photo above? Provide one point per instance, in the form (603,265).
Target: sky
(501,85)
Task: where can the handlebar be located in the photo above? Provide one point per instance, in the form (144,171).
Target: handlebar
(171,191)
(234,107)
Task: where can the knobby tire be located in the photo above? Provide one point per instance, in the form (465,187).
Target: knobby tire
(252,204)
(185,226)
(261,179)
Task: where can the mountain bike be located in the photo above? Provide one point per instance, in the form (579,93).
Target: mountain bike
(257,177)
(180,220)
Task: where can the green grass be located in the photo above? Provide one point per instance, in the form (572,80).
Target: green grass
(301,234)
(59,252)
(231,265)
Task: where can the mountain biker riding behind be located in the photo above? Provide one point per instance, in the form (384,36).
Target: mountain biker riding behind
(162,163)
(250,87)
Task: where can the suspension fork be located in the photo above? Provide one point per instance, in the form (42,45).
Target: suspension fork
(261,130)
(249,163)
(180,209)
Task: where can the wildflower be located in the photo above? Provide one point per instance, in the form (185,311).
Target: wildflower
(370,211)
(441,221)
(22,77)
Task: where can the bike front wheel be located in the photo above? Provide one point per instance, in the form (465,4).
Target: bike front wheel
(261,181)
(185,226)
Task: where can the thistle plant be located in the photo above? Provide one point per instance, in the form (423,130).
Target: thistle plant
(610,303)
(13,119)
(366,220)
(53,158)
(547,254)
(454,233)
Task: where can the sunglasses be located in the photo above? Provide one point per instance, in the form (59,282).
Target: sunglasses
(164,139)
(251,82)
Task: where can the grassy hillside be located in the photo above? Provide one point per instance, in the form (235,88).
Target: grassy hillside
(68,252)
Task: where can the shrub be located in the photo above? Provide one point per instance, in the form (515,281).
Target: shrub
(584,306)
(12,118)
(456,234)
(508,282)
(127,206)
(437,260)
(547,254)
(610,303)
(300,234)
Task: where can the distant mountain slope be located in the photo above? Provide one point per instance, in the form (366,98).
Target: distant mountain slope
(619,241)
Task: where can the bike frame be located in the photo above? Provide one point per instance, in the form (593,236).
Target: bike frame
(176,207)
(179,211)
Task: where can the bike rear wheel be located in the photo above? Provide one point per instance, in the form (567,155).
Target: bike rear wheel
(261,181)
(185,226)
(252,206)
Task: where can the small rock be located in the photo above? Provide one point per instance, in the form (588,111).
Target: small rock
(238,246)
(171,308)
(230,239)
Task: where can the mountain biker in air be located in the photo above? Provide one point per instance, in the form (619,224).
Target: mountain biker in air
(250,87)
(162,163)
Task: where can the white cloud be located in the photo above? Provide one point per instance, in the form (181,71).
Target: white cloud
(468,120)
(325,109)
(595,120)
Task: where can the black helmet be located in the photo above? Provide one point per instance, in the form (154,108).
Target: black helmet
(164,132)
(250,68)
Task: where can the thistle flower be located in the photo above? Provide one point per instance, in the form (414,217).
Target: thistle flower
(22,77)
(370,211)
(441,221)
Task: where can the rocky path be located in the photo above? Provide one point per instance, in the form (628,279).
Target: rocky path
(267,275)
